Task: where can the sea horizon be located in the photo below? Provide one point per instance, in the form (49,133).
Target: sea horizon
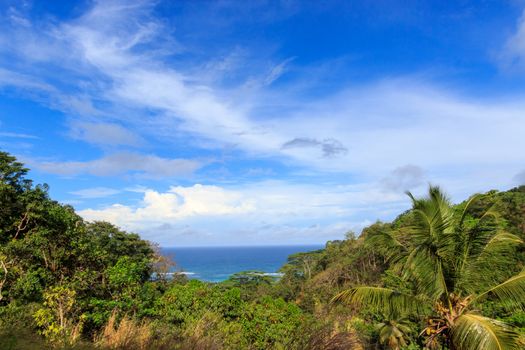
(218,263)
(245,246)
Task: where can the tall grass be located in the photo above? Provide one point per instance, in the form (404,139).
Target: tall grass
(127,334)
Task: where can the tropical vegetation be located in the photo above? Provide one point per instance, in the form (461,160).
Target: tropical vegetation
(448,264)
(439,276)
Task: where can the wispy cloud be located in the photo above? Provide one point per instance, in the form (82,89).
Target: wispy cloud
(104,134)
(18,135)
(122,163)
(404,178)
(117,44)
(23,81)
(513,53)
(520,178)
(277,71)
(371,128)
(329,147)
(301,142)
(124,78)
(95,192)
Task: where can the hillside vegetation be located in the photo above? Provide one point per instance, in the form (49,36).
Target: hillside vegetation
(439,276)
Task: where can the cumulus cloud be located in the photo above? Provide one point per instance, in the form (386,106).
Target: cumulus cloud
(251,213)
(120,56)
(105,134)
(120,163)
(179,202)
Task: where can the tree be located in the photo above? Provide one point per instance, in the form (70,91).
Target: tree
(55,317)
(20,200)
(250,277)
(393,333)
(451,262)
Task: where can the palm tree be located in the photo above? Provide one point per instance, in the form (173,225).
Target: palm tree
(392,333)
(450,263)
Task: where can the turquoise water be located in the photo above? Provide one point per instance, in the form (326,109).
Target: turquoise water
(215,264)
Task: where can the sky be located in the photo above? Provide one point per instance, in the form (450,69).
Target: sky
(200,123)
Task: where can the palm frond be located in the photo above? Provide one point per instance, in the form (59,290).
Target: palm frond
(386,242)
(500,243)
(434,223)
(493,212)
(500,240)
(380,299)
(488,259)
(431,223)
(475,332)
(471,201)
(412,198)
(440,200)
(423,267)
(510,293)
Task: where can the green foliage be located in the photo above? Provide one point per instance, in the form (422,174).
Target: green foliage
(271,323)
(394,333)
(381,299)
(55,318)
(127,273)
(252,284)
(266,323)
(473,332)
(184,303)
(449,259)
(454,271)
(49,255)
(250,279)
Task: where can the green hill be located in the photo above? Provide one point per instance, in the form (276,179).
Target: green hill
(67,283)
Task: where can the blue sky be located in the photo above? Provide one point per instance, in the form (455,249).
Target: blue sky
(261,122)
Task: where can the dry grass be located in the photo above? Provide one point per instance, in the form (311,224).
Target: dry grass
(127,334)
(327,339)
(200,336)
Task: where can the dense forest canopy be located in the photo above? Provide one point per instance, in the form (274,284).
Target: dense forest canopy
(440,276)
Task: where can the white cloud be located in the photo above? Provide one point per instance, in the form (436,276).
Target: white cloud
(264,211)
(371,128)
(101,133)
(95,192)
(18,18)
(179,202)
(115,55)
(24,81)
(513,54)
(16,135)
(121,163)
(520,178)
(409,117)
(277,71)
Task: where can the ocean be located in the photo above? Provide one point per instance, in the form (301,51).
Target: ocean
(215,264)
